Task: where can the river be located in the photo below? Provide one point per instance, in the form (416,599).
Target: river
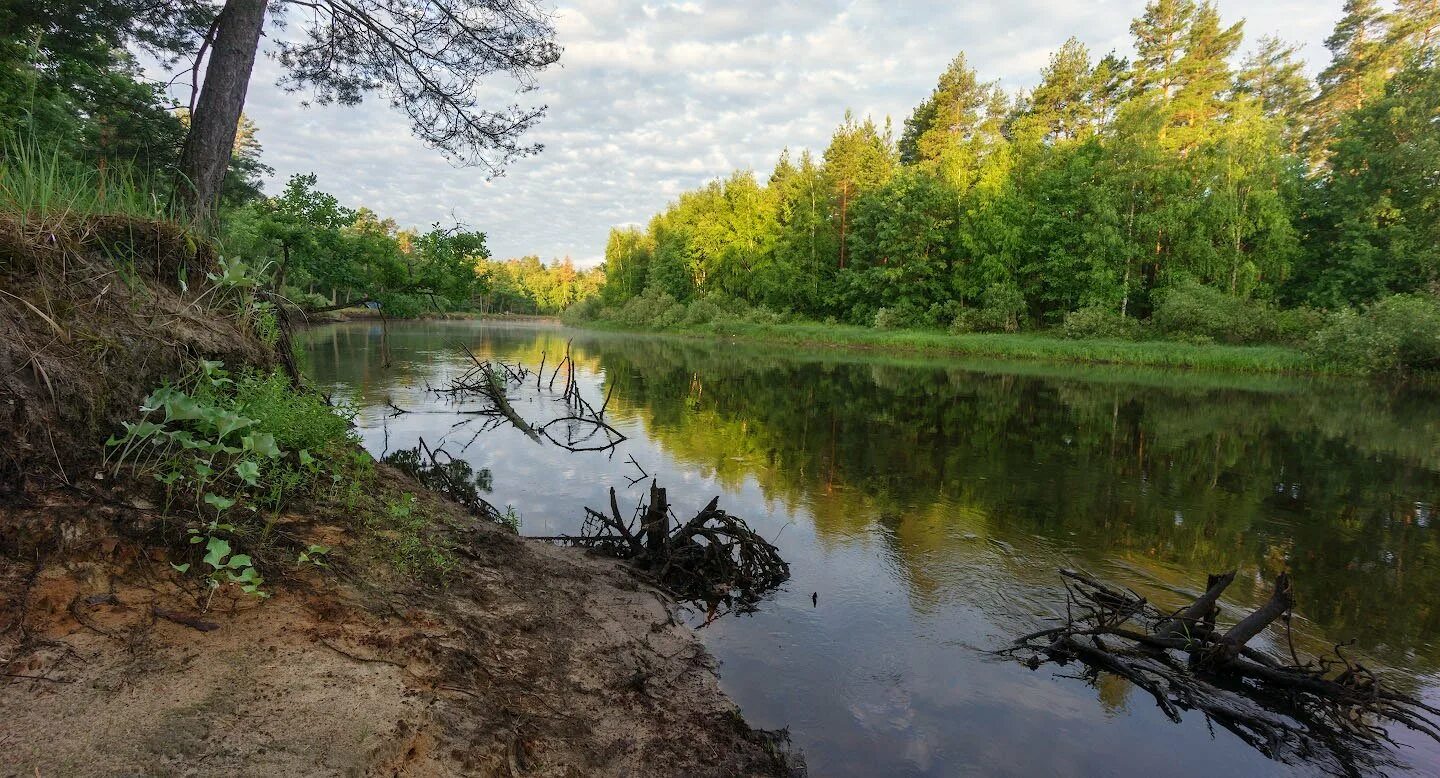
(925,505)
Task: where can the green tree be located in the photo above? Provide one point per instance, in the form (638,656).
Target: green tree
(1275,79)
(1378,230)
(859,158)
(1359,66)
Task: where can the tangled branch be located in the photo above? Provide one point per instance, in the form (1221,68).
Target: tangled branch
(714,558)
(1329,709)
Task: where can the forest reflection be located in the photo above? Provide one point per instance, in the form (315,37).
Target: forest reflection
(1169,474)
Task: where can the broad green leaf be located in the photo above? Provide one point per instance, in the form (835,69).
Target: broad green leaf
(219,503)
(262,443)
(249,471)
(216,551)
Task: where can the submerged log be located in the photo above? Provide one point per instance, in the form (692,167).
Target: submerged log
(1328,709)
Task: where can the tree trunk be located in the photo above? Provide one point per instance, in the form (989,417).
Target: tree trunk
(211,140)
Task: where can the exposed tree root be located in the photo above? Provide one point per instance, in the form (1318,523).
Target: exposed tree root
(714,558)
(1327,709)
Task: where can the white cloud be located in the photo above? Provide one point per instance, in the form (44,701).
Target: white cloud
(655,98)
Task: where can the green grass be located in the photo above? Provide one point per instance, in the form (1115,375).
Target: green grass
(1030,346)
(44,185)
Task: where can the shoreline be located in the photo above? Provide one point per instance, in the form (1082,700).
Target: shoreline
(1034,347)
(423,641)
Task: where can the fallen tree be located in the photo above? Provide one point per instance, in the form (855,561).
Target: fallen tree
(1330,710)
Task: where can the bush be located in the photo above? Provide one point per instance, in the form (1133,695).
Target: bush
(583,311)
(1295,326)
(982,320)
(1004,308)
(1193,312)
(886,319)
(707,309)
(1395,334)
(297,420)
(1099,322)
(648,309)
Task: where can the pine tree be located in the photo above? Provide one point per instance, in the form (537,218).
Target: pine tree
(1275,79)
(1414,25)
(1359,66)
(1204,76)
(1060,108)
(858,159)
(955,112)
(1160,39)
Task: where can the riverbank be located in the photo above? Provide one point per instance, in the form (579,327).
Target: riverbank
(1024,346)
(365,626)
(361,313)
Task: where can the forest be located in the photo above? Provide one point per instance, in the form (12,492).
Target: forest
(1200,190)
(84,129)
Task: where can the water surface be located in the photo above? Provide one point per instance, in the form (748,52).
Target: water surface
(925,504)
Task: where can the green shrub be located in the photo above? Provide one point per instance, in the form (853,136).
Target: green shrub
(1099,322)
(886,319)
(299,421)
(1004,308)
(648,309)
(1395,334)
(1192,312)
(229,447)
(1295,326)
(981,320)
(586,310)
(705,310)
(405,306)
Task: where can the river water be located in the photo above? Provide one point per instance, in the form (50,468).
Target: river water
(925,504)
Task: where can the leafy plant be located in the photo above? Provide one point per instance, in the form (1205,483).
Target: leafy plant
(1398,334)
(229,447)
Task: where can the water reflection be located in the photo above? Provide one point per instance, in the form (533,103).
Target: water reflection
(928,504)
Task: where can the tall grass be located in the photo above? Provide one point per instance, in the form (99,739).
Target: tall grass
(40,184)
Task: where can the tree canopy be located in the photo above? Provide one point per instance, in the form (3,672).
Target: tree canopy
(1113,187)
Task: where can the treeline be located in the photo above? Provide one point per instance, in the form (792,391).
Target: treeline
(1117,190)
(527,285)
(325,255)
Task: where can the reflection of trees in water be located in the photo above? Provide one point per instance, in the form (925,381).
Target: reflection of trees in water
(1173,480)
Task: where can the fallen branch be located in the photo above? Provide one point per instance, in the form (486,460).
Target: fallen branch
(713,558)
(1329,709)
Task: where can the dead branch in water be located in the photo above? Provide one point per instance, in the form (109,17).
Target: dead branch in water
(713,558)
(1330,709)
(580,428)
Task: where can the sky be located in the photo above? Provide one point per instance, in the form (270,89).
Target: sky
(653,98)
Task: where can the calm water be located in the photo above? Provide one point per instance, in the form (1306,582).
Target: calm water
(928,504)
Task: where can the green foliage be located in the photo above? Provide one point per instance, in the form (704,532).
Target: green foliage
(1190,310)
(1099,322)
(232,447)
(411,549)
(1175,191)
(46,184)
(527,285)
(1399,334)
(307,241)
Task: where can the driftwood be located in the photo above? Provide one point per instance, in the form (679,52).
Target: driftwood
(714,558)
(579,428)
(1331,710)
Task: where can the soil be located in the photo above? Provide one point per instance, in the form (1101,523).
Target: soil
(533,660)
(526,660)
